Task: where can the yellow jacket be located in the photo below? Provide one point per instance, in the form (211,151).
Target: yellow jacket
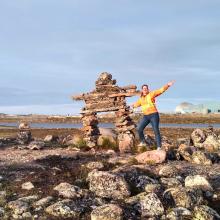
(147,102)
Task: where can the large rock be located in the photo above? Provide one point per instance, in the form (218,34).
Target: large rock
(198,137)
(200,157)
(44,202)
(211,142)
(185,197)
(125,142)
(65,209)
(108,185)
(151,157)
(68,191)
(186,151)
(151,206)
(172,181)
(168,171)
(95,165)
(205,213)
(107,212)
(51,138)
(198,181)
(179,213)
(19,208)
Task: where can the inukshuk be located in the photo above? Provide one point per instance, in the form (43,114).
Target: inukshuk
(24,134)
(108,97)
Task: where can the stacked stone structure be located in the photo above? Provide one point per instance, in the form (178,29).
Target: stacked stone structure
(108,97)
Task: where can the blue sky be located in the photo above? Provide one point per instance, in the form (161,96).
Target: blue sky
(50,50)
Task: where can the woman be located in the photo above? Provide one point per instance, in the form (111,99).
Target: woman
(151,115)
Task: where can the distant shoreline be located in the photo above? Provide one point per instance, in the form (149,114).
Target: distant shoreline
(109,118)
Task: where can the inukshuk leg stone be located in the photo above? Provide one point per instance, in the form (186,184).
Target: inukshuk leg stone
(90,128)
(124,127)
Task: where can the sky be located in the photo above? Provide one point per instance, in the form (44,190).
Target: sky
(50,50)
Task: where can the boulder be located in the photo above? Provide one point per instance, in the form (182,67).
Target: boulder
(168,171)
(211,142)
(179,213)
(151,157)
(108,185)
(205,213)
(200,157)
(68,191)
(107,212)
(185,197)
(198,181)
(95,165)
(65,209)
(125,142)
(151,206)
(18,207)
(198,137)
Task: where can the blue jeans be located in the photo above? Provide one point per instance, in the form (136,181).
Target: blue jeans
(154,120)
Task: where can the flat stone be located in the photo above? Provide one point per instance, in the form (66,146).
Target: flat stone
(107,212)
(151,157)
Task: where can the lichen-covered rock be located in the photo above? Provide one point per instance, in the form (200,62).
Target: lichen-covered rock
(44,202)
(186,152)
(108,185)
(142,181)
(65,209)
(18,207)
(151,157)
(179,213)
(3,200)
(107,212)
(205,213)
(95,165)
(153,188)
(168,171)
(29,199)
(185,197)
(198,137)
(151,206)
(172,182)
(198,181)
(211,142)
(68,191)
(2,211)
(200,157)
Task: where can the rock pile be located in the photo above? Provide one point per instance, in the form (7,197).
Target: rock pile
(24,134)
(108,97)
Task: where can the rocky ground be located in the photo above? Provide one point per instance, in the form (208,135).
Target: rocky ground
(58,177)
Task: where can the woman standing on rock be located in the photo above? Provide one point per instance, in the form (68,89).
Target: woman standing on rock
(151,115)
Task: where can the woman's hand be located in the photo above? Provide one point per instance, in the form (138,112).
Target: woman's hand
(171,83)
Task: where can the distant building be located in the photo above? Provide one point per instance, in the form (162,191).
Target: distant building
(205,108)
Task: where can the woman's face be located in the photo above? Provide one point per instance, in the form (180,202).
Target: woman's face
(145,90)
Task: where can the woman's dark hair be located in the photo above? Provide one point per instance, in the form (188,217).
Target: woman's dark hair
(142,88)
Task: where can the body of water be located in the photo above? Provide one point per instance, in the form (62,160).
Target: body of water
(103,125)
